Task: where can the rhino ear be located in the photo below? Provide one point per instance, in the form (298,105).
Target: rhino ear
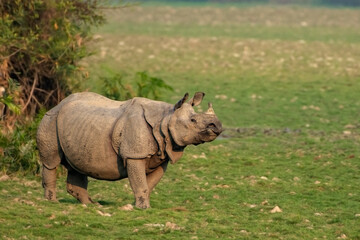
(181,101)
(197,99)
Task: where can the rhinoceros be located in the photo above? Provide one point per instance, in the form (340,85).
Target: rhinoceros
(93,136)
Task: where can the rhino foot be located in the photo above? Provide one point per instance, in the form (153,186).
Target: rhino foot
(142,202)
(76,185)
(79,193)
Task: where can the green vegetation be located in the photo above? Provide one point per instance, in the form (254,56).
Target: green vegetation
(283,80)
(40,47)
(20,149)
(114,87)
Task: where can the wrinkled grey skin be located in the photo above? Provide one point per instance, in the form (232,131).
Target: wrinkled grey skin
(94,136)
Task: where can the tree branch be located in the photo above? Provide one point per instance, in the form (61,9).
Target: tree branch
(32,91)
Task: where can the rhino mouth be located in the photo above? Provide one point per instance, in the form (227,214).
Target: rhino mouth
(208,135)
(213,131)
(216,131)
(213,128)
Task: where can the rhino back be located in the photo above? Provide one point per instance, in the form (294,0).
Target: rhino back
(47,139)
(84,126)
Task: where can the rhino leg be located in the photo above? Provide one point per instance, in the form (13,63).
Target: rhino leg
(49,183)
(154,177)
(138,182)
(50,154)
(76,184)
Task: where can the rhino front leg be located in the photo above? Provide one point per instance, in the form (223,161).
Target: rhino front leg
(138,183)
(76,184)
(154,177)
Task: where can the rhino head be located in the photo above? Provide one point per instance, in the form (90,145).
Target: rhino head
(188,127)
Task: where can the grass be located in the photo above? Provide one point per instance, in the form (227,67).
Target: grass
(283,80)
(227,192)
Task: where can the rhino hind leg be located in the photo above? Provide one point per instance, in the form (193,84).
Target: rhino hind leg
(76,185)
(49,183)
(50,153)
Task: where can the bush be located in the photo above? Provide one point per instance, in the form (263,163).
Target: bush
(40,45)
(144,85)
(18,148)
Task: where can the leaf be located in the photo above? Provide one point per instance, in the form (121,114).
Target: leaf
(8,101)
(150,86)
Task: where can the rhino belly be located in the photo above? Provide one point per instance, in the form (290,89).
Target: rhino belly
(85,137)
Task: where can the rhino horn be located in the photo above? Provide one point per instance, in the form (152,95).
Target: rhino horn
(210,109)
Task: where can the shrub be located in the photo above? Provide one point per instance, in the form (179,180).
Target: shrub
(18,148)
(150,87)
(40,45)
(144,85)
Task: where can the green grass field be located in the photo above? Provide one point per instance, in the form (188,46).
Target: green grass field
(284,81)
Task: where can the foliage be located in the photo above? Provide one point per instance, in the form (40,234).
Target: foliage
(150,86)
(18,152)
(114,86)
(9,102)
(40,47)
